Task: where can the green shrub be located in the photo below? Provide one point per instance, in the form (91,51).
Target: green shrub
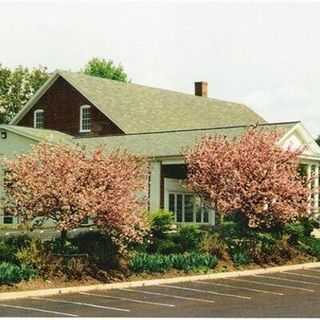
(9,246)
(301,230)
(311,246)
(11,273)
(98,246)
(7,253)
(162,263)
(18,241)
(36,256)
(161,222)
(241,258)
(188,236)
(167,246)
(150,263)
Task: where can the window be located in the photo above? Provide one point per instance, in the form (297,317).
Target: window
(38,119)
(8,219)
(85,119)
(187,208)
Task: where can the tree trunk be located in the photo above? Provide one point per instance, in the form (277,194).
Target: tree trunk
(63,239)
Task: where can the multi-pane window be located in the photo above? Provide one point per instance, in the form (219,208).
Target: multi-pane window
(38,119)
(85,119)
(187,208)
(8,219)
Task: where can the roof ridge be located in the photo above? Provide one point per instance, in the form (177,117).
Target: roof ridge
(121,83)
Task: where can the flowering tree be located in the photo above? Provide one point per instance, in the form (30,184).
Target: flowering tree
(250,175)
(68,185)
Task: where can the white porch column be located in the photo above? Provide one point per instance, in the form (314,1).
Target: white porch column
(155,180)
(1,195)
(309,185)
(316,189)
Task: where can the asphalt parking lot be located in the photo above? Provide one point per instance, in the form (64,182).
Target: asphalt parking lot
(285,294)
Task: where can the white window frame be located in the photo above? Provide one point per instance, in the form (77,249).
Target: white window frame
(81,118)
(175,186)
(36,112)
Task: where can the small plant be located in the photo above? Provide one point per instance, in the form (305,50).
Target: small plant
(241,258)
(11,273)
(189,237)
(167,246)
(161,222)
(162,263)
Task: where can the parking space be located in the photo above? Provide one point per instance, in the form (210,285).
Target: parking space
(285,294)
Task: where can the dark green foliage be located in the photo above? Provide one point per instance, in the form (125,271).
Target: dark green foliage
(11,273)
(9,246)
(98,246)
(241,257)
(161,263)
(189,237)
(18,241)
(168,246)
(7,253)
(301,230)
(161,222)
(311,246)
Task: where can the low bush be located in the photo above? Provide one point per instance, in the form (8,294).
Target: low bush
(161,222)
(241,257)
(188,237)
(11,273)
(162,263)
(37,256)
(167,246)
(9,246)
(98,246)
(7,253)
(300,231)
(310,246)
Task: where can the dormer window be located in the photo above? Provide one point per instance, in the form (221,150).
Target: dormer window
(38,119)
(85,119)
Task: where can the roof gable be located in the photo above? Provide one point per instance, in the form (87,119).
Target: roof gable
(135,108)
(299,137)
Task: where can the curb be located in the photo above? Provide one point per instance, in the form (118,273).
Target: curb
(153,282)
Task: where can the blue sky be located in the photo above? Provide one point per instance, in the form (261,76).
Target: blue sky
(260,53)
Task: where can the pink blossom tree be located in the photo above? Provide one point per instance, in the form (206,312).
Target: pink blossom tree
(251,175)
(67,184)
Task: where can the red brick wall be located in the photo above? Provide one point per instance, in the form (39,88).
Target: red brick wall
(61,105)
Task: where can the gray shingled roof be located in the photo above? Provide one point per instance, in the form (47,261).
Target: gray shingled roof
(170,143)
(135,108)
(39,134)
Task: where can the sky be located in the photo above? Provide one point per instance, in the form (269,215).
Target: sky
(263,54)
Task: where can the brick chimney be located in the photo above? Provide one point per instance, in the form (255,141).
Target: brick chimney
(201,88)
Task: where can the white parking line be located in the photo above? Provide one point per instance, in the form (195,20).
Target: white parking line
(38,310)
(206,291)
(287,279)
(81,304)
(301,275)
(241,288)
(127,299)
(271,284)
(315,270)
(168,295)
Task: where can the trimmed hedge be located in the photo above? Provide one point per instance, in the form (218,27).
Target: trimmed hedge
(142,262)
